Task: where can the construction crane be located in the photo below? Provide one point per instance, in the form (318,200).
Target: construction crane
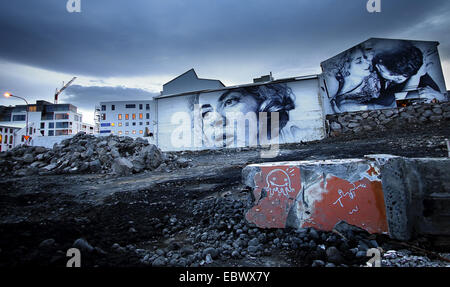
(57,93)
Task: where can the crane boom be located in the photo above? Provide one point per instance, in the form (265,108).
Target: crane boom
(57,93)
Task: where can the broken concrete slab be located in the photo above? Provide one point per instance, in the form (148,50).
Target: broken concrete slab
(379,193)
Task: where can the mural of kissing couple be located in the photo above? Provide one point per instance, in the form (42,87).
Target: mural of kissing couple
(376,73)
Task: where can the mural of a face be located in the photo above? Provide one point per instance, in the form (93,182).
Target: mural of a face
(240,103)
(376,73)
(360,67)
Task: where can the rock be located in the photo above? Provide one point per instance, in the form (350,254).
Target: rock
(50,167)
(83,245)
(47,243)
(159,262)
(212,251)
(253,242)
(208,259)
(334,255)
(95,165)
(318,263)
(313,234)
(122,166)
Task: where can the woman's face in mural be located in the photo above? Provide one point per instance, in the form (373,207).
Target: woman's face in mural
(390,76)
(237,102)
(360,67)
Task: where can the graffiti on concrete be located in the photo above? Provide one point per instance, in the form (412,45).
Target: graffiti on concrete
(321,202)
(275,193)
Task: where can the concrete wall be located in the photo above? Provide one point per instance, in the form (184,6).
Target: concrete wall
(195,121)
(355,122)
(378,72)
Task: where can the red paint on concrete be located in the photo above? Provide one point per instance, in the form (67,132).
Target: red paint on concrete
(276,190)
(360,203)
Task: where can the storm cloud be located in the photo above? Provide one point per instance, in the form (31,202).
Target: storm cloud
(230,40)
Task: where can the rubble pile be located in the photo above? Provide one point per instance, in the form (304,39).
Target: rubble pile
(89,154)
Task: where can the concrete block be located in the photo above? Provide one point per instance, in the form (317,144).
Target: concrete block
(379,193)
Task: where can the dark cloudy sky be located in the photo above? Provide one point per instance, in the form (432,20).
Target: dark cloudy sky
(127,49)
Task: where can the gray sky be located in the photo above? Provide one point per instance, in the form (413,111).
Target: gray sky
(128,49)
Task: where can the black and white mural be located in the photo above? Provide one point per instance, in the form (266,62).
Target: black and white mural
(379,72)
(252,115)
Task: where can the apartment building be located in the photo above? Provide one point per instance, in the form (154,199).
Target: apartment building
(44,119)
(7,137)
(127,118)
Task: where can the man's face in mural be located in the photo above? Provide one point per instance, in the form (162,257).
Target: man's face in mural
(390,76)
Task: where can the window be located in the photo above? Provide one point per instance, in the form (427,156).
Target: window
(61,132)
(134,116)
(141,131)
(147,123)
(42,133)
(10,131)
(119,117)
(147,116)
(18,118)
(140,123)
(147,106)
(103,107)
(6,140)
(141,116)
(62,116)
(127,117)
(126,132)
(0,139)
(103,117)
(51,125)
(105,132)
(112,124)
(140,106)
(51,133)
(120,132)
(127,124)
(1,130)
(134,123)
(103,124)
(113,107)
(130,106)
(134,132)
(10,139)
(62,125)
(42,125)
(120,124)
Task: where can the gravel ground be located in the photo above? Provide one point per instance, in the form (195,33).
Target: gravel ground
(194,216)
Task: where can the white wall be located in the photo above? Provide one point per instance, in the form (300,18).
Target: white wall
(306,120)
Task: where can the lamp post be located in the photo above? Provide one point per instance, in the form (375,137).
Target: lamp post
(8,95)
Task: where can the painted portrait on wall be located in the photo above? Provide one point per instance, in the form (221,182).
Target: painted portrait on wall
(217,112)
(378,72)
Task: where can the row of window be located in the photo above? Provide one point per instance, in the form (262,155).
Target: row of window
(127,116)
(4,139)
(128,106)
(120,132)
(59,125)
(6,130)
(22,118)
(127,124)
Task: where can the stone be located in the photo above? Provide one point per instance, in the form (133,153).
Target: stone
(122,166)
(83,245)
(212,251)
(334,255)
(47,243)
(159,262)
(28,158)
(318,263)
(253,242)
(335,126)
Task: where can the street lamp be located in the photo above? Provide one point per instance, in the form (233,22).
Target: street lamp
(8,95)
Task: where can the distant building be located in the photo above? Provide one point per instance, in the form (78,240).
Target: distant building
(44,120)
(7,137)
(190,82)
(126,118)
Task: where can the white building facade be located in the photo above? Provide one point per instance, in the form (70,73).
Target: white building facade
(7,137)
(127,118)
(44,120)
